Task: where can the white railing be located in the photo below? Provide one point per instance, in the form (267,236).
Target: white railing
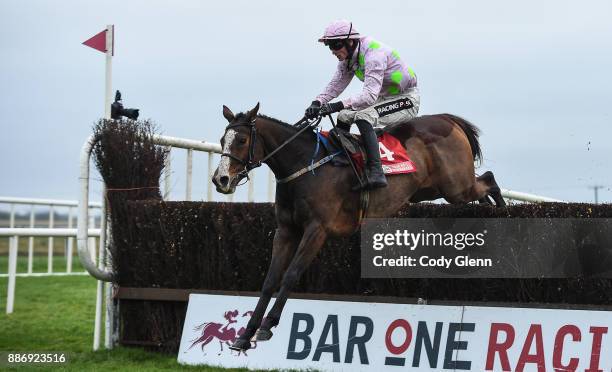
(51,205)
(13,233)
(525,197)
(210,149)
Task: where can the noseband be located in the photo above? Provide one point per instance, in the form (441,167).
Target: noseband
(250,163)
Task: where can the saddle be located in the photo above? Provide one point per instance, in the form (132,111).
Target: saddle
(333,142)
(352,142)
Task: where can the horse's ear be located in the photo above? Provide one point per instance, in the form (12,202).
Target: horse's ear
(228,114)
(253,112)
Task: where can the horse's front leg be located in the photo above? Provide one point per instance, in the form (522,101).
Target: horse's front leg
(283,248)
(310,245)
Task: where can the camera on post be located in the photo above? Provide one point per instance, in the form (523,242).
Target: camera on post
(118,111)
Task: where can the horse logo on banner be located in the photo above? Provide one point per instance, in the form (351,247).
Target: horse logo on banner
(223,333)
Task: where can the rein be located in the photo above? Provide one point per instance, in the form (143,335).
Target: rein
(251,163)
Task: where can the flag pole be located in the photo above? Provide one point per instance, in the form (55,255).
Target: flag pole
(103,42)
(108,86)
(108,96)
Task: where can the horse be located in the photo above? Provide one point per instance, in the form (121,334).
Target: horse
(312,207)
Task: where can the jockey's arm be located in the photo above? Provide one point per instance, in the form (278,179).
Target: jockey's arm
(337,85)
(372,84)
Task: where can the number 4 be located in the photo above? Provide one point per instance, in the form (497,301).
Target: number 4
(385,152)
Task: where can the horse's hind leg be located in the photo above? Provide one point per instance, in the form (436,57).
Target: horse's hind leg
(488,180)
(484,187)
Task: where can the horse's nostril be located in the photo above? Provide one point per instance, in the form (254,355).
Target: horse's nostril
(223,180)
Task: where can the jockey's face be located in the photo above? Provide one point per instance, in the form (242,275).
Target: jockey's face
(341,53)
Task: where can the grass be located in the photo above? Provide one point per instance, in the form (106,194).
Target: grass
(39,264)
(56,314)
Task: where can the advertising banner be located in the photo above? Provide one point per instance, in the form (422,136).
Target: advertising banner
(360,336)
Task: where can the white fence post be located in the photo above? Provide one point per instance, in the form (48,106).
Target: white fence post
(12,217)
(167,172)
(70,243)
(100,284)
(31,241)
(189,174)
(250,194)
(209,183)
(50,243)
(271,186)
(12,274)
(91,242)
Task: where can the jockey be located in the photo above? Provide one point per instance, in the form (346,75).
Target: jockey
(389,94)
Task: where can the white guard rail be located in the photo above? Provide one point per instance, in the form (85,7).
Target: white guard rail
(51,205)
(13,234)
(50,232)
(525,197)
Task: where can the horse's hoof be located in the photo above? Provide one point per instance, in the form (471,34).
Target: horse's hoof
(241,345)
(263,334)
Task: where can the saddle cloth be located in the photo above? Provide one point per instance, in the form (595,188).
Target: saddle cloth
(393,156)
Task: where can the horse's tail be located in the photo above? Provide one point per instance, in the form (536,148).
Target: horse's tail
(471,131)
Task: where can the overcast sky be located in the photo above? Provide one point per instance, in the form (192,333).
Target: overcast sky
(535,76)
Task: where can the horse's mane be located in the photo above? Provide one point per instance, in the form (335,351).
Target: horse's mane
(274,120)
(277,121)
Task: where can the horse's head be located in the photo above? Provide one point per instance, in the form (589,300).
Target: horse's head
(239,150)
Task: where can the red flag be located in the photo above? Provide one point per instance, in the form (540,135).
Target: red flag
(97,42)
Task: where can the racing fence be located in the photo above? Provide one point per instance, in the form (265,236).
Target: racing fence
(225,248)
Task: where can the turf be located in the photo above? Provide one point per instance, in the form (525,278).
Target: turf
(56,314)
(39,264)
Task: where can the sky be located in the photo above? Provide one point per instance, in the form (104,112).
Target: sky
(533,75)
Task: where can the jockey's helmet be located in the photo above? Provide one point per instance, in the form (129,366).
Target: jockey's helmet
(339,30)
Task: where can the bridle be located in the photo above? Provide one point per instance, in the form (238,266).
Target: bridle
(250,163)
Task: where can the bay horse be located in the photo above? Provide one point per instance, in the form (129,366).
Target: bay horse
(313,207)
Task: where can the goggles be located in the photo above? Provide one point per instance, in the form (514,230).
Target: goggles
(335,44)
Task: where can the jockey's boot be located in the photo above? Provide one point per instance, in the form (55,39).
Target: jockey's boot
(374,173)
(344,126)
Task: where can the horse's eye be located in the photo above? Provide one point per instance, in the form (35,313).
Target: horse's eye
(243,141)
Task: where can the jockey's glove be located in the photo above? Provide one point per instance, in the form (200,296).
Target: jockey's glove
(330,108)
(313,110)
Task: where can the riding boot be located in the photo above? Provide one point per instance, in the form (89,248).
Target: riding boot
(374,173)
(344,126)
